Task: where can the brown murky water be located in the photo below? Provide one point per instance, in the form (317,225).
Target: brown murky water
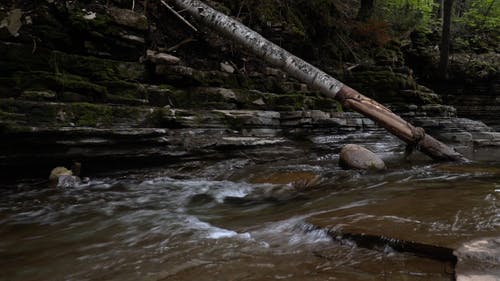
(249,223)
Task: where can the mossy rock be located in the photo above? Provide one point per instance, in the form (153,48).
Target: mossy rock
(35,112)
(289,102)
(18,57)
(41,80)
(103,116)
(12,117)
(164,118)
(125,89)
(102,23)
(216,79)
(97,69)
(90,115)
(38,95)
(118,99)
(7,128)
(181,76)
(67,96)
(168,95)
(49,114)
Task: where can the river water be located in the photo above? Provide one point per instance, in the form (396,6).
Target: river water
(249,221)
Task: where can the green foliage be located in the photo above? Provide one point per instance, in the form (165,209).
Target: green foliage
(476,23)
(405,15)
(483,15)
(479,27)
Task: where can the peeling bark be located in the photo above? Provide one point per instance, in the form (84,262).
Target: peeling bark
(326,84)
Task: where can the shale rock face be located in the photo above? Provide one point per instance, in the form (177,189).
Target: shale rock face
(357,157)
(116,88)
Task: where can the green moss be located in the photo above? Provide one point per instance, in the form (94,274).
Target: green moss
(41,80)
(91,115)
(38,95)
(21,58)
(72,97)
(125,89)
(292,102)
(9,116)
(102,23)
(7,128)
(97,69)
(34,112)
(216,79)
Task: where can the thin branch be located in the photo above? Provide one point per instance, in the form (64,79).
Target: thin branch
(241,7)
(348,47)
(179,16)
(175,47)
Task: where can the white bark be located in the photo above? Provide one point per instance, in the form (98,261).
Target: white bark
(262,47)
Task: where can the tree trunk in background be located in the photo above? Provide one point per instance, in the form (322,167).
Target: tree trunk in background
(444,48)
(329,86)
(365,10)
(438,9)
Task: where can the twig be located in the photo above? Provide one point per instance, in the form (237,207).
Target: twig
(175,47)
(241,7)
(34,45)
(133,5)
(179,16)
(348,47)
(353,67)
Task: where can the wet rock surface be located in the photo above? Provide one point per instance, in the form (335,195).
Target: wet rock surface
(479,260)
(402,223)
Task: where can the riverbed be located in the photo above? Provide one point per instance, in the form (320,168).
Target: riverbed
(244,219)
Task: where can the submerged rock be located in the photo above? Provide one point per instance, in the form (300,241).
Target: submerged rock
(68,181)
(357,157)
(479,260)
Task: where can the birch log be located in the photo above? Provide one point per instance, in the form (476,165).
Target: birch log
(326,84)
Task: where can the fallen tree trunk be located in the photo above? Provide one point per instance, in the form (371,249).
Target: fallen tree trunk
(326,84)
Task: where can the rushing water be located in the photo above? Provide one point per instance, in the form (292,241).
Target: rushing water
(247,223)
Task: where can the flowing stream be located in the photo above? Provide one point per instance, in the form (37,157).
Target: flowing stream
(267,221)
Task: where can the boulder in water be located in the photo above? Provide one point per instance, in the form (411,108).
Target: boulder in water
(58,172)
(353,156)
(62,177)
